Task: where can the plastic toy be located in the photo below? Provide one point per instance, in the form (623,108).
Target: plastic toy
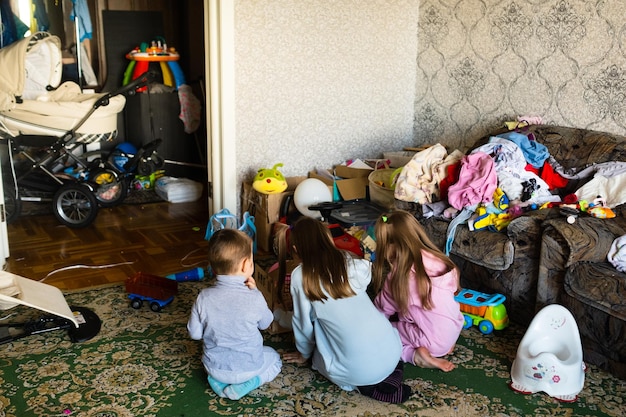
(157,291)
(487,311)
(341,238)
(157,51)
(550,356)
(597,208)
(270,180)
(195,274)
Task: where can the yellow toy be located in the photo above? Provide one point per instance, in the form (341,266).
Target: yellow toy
(270,180)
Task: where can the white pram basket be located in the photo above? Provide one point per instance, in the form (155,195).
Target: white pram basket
(32,101)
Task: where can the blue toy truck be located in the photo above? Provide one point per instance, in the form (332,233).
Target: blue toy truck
(487,311)
(156,291)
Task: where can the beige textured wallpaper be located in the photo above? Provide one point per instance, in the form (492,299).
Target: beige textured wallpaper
(481,63)
(322,81)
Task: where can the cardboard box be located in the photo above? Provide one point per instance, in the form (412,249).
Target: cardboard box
(266,278)
(354,188)
(266,209)
(343,171)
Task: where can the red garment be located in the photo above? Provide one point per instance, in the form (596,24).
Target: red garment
(552,178)
(452,176)
(532,169)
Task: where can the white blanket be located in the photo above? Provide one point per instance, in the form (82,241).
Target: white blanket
(612,189)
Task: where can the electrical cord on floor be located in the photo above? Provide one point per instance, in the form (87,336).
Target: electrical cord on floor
(84,266)
(194,264)
(7,317)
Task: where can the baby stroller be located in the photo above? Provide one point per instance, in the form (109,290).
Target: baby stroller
(49,127)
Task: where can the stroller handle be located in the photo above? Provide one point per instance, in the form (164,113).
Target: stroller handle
(129,89)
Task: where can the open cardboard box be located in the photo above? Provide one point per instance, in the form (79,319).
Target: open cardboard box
(266,277)
(352,187)
(266,209)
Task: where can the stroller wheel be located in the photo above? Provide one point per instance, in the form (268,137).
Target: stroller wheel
(12,202)
(75,205)
(110,188)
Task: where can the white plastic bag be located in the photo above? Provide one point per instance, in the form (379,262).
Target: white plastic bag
(178,190)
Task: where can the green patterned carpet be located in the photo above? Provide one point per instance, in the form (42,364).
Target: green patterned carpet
(144,364)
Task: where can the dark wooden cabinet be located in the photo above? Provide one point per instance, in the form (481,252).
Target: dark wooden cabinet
(153,116)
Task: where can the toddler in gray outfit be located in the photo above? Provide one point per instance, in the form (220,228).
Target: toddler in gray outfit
(228,317)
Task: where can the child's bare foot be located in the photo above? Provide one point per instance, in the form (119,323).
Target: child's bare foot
(424,359)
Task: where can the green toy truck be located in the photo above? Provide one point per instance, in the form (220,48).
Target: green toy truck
(487,311)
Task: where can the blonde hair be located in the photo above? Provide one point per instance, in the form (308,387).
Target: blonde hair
(400,240)
(227,248)
(323,264)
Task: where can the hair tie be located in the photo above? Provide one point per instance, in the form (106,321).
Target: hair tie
(384,218)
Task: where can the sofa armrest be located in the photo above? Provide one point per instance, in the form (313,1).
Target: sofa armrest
(563,244)
(588,238)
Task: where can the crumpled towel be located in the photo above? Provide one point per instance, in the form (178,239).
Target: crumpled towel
(617,254)
(190,108)
(419,179)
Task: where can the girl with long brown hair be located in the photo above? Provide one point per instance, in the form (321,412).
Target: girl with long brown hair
(335,323)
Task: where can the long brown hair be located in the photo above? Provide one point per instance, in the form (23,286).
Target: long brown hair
(281,249)
(400,239)
(323,265)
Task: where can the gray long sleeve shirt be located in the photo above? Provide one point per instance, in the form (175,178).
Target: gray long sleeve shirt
(227,317)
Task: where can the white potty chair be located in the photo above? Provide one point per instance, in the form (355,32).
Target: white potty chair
(550,356)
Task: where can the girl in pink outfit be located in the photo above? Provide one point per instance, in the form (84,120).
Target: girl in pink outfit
(416,282)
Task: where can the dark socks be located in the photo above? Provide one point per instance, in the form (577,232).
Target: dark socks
(390,389)
(393,382)
(399,396)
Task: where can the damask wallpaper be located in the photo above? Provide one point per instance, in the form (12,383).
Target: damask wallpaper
(322,81)
(480,63)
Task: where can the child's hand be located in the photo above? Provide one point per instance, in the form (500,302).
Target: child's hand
(250,283)
(294,357)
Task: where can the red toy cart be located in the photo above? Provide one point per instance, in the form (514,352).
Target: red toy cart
(158,291)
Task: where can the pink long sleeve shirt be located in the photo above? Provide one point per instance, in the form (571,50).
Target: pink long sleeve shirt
(437,329)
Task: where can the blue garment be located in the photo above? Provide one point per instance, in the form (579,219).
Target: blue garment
(534,152)
(9,30)
(463,216)
(227,317)
(81,10)
(41,16)
(351,342)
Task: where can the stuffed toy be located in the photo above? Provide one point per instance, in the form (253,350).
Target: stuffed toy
(269,180)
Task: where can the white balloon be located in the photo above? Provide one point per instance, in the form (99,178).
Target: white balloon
(310,192)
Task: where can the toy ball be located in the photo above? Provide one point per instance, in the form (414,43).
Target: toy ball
(308,193)
(269,180)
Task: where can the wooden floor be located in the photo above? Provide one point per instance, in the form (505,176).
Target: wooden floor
(154,238)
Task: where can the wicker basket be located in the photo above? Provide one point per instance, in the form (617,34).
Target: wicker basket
(382,183)
(398,158)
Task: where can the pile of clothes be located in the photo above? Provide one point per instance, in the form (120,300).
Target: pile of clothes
(507,176)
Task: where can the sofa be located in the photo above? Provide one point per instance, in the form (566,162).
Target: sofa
(546,256)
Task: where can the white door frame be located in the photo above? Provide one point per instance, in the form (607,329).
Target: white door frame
(219,32)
